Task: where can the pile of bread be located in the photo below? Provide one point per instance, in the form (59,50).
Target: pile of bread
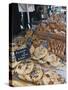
(42,56)
(55,33)
(30,73)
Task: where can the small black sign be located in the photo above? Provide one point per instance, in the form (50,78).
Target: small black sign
(22,54)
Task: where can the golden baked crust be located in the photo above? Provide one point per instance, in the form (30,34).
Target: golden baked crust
(24,67)
(40,52)
(57,47)
(35,75)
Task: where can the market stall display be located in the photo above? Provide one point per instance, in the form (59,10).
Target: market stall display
(38,57)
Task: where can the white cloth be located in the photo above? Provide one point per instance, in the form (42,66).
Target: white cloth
(26,7)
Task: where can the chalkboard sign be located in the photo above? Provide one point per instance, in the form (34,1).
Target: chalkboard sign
(22,54)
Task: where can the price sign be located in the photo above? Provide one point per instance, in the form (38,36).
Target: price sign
(22,54)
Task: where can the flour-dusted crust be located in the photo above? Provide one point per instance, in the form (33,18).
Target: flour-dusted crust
(29,67)
(39,53)
(25,67)
(21,77)
(35,75)
(20,68)
(51,77)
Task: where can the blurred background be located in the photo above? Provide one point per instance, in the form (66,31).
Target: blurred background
(26,16)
